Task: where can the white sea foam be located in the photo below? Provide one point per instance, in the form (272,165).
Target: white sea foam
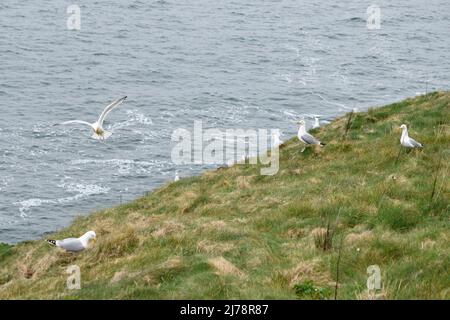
(125,166)
(26,205)
(4,182)
(134,117)
(81,190)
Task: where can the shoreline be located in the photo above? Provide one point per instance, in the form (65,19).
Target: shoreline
(236,234)
(146,193)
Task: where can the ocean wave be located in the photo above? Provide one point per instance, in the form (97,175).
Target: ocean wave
(134,117)
(81,190)
(125,166)
(4,182)
(26,205)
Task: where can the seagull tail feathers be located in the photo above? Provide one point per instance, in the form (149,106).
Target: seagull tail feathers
(52,242)
(323,144)
(104,136)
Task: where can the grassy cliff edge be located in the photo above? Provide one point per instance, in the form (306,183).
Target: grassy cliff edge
(232,233)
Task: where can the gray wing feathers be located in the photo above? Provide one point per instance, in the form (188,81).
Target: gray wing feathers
(71,244)
(109,108)
(77,122)
(309,139)
(415,143)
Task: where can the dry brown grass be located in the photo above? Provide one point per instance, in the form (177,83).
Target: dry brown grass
(243,182)
(214,247)
(359,238)
(122,275)
(322,238)
(115,245)
(307,270)
(168,228)
(224,267)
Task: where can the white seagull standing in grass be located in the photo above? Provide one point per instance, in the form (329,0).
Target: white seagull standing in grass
(406,141)
(305,137)
(97,127)
(74,244)
(276,141)
(316,122)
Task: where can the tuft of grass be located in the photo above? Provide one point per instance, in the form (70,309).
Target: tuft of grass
(5,250)
(307,290)
(398,219)
(116,245)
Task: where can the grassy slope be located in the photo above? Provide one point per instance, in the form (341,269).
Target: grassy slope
(232,233)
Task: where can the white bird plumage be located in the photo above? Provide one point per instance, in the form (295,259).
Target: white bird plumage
(97,127)
(406,140)
(305,137)
(74,244)
(276,141)
(316,123)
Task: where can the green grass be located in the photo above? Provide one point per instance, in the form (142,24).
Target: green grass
(307,290)
(234,234)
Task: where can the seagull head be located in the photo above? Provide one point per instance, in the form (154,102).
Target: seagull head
(277,133)
(301,122)
(403,126)
(90,235)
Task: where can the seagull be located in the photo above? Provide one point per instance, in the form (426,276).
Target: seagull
(97,127)
(74,244)
(316,123)
(231,162)
(406,141)
(276,141)
(305,137)
(176,176)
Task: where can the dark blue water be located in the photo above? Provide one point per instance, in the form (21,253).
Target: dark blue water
(232,64)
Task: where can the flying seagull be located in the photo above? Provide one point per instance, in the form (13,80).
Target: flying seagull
(74,244)
(305,137)
(406,141)
(97,127)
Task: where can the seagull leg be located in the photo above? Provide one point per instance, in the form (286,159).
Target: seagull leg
(304,148)
(398,156)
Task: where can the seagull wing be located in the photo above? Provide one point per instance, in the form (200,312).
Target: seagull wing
(71,244)
(109,108)
(309,139)
(78,122)
(415,143)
